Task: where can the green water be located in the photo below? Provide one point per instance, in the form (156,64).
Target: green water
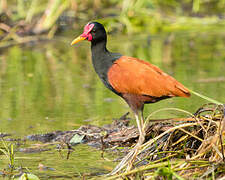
(51,86)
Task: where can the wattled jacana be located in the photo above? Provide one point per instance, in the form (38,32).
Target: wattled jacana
(136,81)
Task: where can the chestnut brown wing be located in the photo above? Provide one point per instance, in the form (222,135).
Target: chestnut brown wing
(135,76)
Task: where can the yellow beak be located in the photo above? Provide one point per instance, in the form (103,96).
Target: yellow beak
(78,39)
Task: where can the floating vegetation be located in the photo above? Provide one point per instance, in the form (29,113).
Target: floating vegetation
(180,148)
(184,148)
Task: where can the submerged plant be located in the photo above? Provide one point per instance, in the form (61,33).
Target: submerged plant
(8,152)
(12,171)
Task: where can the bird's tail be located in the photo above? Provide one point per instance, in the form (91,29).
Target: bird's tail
(181,90)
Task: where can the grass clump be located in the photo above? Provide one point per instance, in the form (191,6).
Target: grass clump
(183,148)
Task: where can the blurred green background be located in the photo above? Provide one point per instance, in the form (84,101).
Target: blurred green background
(128,16)
(47,85)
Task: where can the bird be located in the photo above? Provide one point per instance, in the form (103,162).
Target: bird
(136,81)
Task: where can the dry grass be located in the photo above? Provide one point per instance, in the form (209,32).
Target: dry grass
(184,148)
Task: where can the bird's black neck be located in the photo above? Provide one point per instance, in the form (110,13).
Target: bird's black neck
(99,50)
(102,60)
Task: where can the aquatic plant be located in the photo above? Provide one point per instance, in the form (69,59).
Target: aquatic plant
(183,148)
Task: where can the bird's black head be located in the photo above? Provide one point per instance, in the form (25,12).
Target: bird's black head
(94,32)
(98,32)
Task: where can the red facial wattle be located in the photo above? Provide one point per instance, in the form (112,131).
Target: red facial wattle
(86,35)
(87,29)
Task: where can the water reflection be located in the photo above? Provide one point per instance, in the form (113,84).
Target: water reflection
(52,86)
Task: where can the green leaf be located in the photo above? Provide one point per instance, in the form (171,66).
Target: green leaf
(77,139)
(28,176)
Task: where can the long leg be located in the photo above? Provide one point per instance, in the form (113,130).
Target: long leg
(136,103)
(140,124)
(142,118)
(131,156)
